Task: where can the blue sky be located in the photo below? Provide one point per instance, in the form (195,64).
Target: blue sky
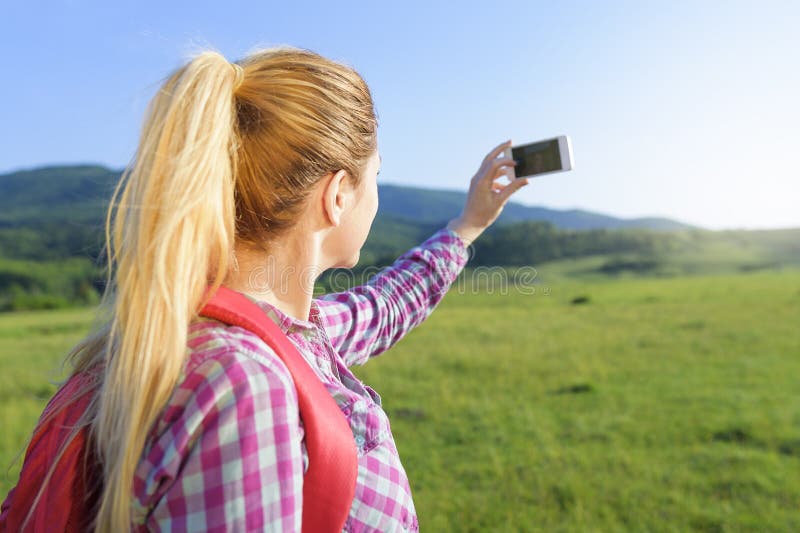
(688,110)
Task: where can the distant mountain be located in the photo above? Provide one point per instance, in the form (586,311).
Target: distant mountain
(58,193)
(52,218)
(81,194)
(429,205)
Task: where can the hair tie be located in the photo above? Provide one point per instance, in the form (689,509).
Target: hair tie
(238,72)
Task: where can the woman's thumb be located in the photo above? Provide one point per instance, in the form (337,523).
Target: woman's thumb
(509,189)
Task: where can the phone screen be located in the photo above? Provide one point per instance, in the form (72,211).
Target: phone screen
(536,158)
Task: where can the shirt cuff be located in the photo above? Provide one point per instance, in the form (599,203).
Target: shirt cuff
(459,245)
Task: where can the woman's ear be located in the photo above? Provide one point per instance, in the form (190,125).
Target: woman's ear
(336,196)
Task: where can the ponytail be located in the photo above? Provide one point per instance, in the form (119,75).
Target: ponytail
(175,213)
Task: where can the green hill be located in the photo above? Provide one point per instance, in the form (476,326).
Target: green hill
(59,193)
(80,193)
(52,218)
(428,205)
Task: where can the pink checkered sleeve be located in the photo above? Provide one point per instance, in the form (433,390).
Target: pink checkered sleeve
(229,456)
(368,319)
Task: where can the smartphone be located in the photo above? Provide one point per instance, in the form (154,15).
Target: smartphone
(540,157)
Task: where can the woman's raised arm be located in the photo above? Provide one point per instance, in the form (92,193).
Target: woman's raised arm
(368,319)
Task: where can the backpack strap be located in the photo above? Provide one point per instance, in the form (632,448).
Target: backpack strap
(329,483)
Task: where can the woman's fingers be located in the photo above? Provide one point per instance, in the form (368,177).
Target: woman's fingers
(495,165)
(497,186)
(491,158)
(491,169)
(497,150)
(487,194)
(512,187)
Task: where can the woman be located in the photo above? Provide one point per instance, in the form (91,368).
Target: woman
(258,176)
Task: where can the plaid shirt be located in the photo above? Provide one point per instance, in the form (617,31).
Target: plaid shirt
(228,451)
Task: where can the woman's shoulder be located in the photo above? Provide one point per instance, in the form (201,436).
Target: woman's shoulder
(233,388)
(228,369)
(224,365)
(213,346)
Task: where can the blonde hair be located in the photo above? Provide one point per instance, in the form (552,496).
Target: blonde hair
(227,154)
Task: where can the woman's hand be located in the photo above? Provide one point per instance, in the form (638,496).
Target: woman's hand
(486,197)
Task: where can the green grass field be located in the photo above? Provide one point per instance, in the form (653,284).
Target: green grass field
(655,405)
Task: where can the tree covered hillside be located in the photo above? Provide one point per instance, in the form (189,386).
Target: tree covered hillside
(52,237)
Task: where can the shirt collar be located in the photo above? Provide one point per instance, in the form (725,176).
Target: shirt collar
(288,324)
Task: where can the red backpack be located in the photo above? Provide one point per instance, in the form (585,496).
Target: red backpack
(68,502)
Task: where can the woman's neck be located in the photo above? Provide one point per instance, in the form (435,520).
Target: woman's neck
(284,276)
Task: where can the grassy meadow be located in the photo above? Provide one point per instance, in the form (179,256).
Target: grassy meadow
(584,403)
